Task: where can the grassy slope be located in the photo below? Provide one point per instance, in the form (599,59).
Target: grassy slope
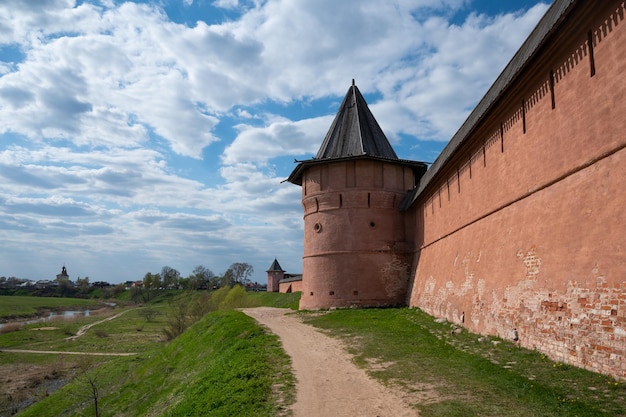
(224,365)
(275,299)
(463,376)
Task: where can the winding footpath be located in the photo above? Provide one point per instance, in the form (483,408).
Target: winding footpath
(84,329)
(328,383)
(78,334)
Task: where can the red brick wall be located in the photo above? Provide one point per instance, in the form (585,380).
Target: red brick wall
(288,287)
(354,236)
(524,229)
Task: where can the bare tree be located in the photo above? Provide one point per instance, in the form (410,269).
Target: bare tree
(94,394)
(200,278)
(170,277)
(90,377)
(241,272)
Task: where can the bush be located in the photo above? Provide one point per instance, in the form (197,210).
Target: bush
(237,297)
(217,297)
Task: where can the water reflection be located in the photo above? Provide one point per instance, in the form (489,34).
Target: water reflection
(54,315)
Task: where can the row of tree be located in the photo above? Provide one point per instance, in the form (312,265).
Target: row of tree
(201,278)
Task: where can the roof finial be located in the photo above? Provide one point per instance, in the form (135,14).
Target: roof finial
(353,82)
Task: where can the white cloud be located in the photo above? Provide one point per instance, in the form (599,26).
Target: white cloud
(111,106)
(226,4)
(279,138)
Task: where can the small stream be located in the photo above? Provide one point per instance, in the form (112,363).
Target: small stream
(51,316)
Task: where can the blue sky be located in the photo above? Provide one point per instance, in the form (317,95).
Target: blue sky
(137,135)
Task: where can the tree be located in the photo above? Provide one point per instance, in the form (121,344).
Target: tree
(200,278)
(83,284)
(170,277)
(139,295)
(241,272)
(90,377)
(228,279)
(151,281)
(148,313)
(177,319)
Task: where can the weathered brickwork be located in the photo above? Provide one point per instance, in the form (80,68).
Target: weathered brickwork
(361,197)
(521,235)
(517,230)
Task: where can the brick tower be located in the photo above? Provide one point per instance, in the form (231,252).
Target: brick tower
(355,245)
(274,274)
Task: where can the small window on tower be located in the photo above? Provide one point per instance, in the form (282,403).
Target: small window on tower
(317,227)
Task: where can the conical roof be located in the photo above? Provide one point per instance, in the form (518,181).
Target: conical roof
(275,267)
(354,134)
(355,131)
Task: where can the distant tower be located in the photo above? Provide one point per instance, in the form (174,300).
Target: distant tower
(63,274)
(274,274)
(355,245)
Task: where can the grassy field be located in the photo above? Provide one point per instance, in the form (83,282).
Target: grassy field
(23,306)
(462,374)
(225,365)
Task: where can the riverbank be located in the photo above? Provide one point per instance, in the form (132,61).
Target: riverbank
(16,307)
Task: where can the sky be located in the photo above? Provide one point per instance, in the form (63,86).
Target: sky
(141,134)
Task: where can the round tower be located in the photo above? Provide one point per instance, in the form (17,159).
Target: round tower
(355,242)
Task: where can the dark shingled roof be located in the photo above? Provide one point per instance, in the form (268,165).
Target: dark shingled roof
(354,134)
(538,37)
(275,267)
(355,131)
(291,278)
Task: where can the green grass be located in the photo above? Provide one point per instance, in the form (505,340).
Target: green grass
(275,299)
(231,361)
(459,375)
(224,365)
(12,306)
(130,333)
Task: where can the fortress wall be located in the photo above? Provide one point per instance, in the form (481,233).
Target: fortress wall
(523,229)
(510,155)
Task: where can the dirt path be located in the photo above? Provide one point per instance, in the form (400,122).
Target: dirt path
(84,329)
(61,352)
(329,384)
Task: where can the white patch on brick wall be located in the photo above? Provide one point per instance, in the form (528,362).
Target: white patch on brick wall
(532,263)
(468,285)
(429,286)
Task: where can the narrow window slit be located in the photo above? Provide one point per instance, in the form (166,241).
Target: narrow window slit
(552,89)
(524,116)
(592,61)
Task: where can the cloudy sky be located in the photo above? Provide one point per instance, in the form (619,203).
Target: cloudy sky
(137,135)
